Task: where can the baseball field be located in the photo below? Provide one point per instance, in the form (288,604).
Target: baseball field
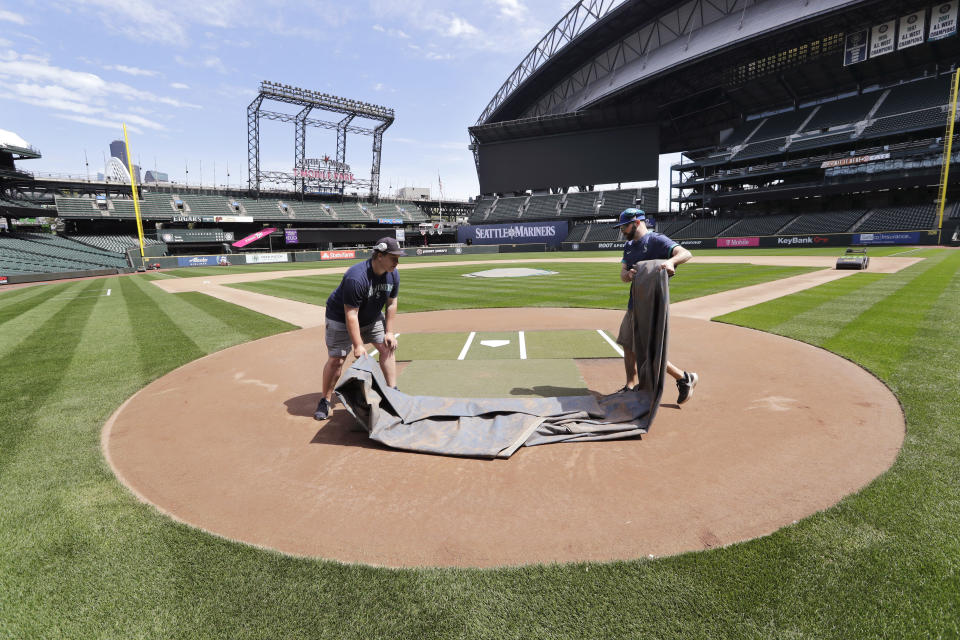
(82,557)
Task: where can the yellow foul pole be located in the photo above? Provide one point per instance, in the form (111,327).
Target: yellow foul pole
(133,188)
(947,152)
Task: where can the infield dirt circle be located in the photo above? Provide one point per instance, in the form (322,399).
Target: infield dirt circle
(777,430)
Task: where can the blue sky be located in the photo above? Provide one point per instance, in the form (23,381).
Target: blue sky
(180,75)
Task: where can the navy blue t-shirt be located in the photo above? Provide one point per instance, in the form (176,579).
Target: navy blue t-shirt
(652,246)
(363,289)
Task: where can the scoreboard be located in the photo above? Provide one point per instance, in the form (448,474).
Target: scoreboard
(195,236)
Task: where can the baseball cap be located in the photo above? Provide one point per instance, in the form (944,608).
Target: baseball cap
(630,215)
(389,245)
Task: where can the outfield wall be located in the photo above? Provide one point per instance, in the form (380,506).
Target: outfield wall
(886,238)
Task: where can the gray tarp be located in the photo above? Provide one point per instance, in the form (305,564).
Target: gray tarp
(496,427)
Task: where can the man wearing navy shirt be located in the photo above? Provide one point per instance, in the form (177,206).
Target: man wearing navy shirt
(644,244)
(355,316)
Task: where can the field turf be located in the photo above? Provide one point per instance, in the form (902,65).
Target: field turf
(80,557)
(591,285)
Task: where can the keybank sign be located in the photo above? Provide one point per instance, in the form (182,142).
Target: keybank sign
(551,233)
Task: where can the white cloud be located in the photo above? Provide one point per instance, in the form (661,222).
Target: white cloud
(457,26)
(78,95)
(97,122)
(512,9)
(179,85)
(133,71)
(10,16)
(378,87)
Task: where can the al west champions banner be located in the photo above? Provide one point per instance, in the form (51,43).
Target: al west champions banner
(551,233)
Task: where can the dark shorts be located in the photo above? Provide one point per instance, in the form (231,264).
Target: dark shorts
(625,337)
(339,344)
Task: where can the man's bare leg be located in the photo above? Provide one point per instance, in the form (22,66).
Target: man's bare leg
(331,373)
(388,363)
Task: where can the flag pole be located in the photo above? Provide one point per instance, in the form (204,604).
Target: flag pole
(133,188)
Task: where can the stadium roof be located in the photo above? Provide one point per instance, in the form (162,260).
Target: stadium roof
(694,89)
(14,144)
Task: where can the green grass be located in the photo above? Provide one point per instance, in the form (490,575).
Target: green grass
(575,285)
(552,256)
(80,557)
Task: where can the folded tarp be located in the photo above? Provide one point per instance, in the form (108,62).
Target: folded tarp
(496,427)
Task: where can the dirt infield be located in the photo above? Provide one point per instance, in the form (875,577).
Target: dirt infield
(777,430)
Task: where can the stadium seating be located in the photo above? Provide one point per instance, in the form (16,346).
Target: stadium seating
(507,209)
(578,233)
(907,218)
(758,226)
(845,111)
(616,201)
(541,207)
(114,243)
(603,233)
(579,205)
(704,228)
(822,140)
(833,222)
(45,253)
(670,227)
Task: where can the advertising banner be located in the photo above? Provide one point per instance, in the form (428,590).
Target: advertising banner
(730,243)
(232,219)
(842,162)
(943,20)
(338,255)
(401,235)
(265,258)
(551,233)
(3,279)
(290,236)
(911,29)
(389,220)
(436,251)
(806,241)
(202,261)
(881,39)
(906,237)
(855,47)
(253,237)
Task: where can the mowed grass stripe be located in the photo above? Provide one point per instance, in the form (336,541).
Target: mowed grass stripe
(161,343)
(575,285)
(72,507)
(894,320)
(28,316)
(15,296)
(822,322)
(43,357)
(29,304)
(768,317)
(244,323)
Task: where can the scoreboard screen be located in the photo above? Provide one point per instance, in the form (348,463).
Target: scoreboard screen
(196,236)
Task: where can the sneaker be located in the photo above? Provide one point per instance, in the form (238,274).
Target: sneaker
(685,386)
(624,389)
(323,410)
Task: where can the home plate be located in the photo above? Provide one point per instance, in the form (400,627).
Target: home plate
(494,343)
(509,273)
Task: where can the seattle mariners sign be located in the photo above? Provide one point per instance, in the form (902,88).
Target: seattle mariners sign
(551,233)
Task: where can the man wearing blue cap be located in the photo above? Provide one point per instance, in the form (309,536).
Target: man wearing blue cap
(362,310)
(644,244)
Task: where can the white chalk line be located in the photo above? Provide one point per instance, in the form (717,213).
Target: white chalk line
(466,346)
(523,346)
(613,344)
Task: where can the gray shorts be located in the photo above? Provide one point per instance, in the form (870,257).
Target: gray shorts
(625,337)
(338,340)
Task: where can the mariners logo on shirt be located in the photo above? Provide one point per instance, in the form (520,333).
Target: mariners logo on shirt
(378,289)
